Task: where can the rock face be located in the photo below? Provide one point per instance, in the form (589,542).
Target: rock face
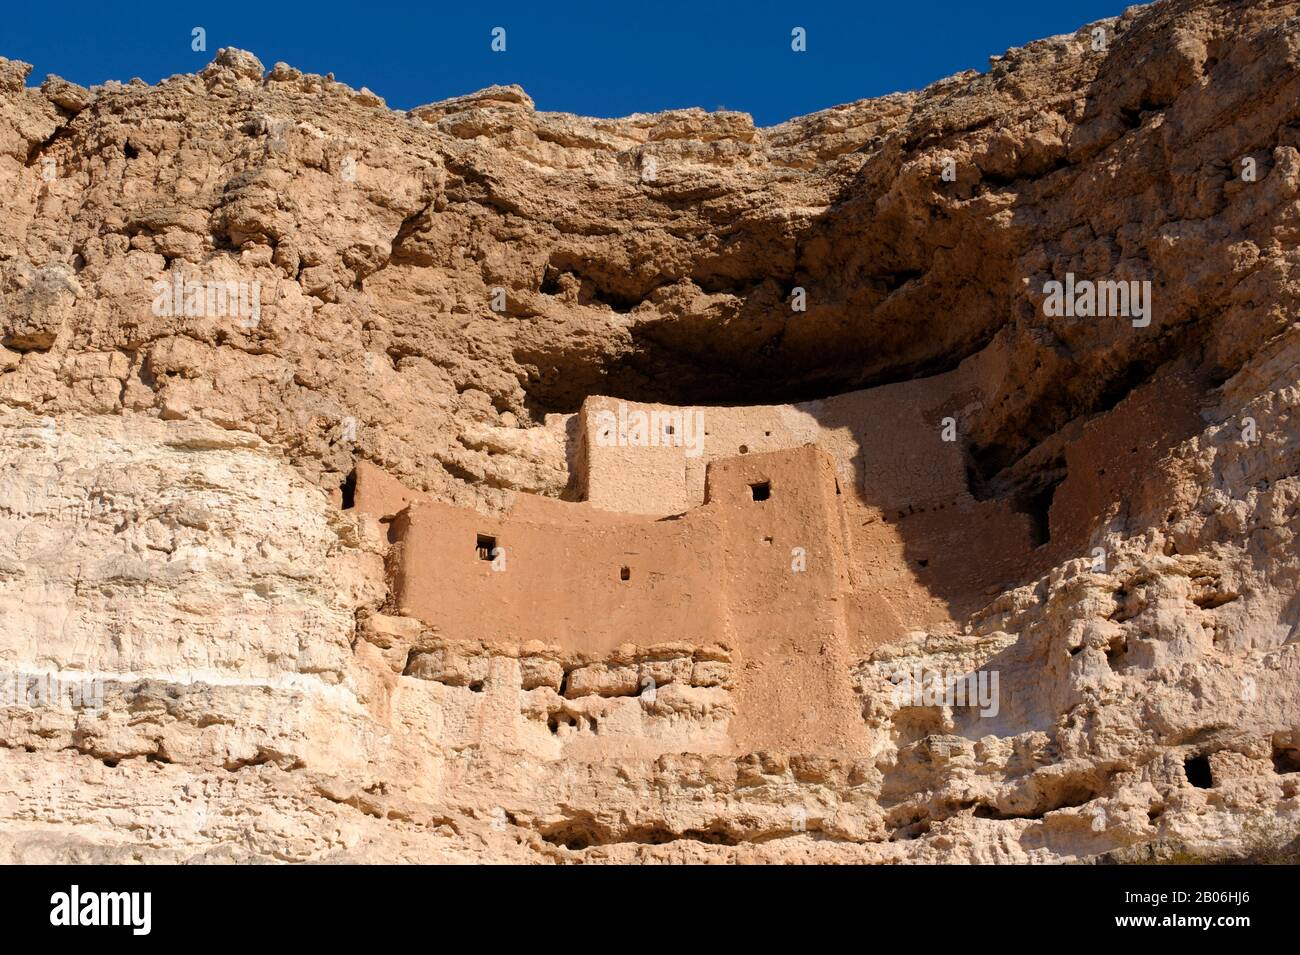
(254,324)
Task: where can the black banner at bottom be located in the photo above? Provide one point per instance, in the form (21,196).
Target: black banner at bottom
(170,904)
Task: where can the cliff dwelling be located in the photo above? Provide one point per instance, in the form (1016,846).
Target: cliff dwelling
(789,541)
(791,537)
(687,521)
(547,512)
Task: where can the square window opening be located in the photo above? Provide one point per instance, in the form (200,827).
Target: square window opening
(761,491)
(484,545)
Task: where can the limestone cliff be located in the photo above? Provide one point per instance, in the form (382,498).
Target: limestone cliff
(227,298)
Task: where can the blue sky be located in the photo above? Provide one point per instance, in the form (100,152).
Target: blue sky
(599,59)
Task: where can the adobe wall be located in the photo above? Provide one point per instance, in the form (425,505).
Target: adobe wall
(787,589)
(720,573)
(378,494)
(885,443)
(920,550)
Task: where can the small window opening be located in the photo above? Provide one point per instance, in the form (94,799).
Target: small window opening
(348,491)
(485,545)
(761,491)
(625,573)
(557,720)
(744,449)
(1197,768)
(1285,760)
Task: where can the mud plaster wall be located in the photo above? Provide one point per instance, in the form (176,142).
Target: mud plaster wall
(567,575)
(886,444)
(910,521)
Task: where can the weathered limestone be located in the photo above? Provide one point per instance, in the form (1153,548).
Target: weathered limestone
(203,656)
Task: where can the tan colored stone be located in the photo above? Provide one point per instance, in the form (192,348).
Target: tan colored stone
(204,656)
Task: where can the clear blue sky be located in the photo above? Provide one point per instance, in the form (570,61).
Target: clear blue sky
(599,59)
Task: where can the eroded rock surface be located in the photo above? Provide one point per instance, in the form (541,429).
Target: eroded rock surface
(200,646)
